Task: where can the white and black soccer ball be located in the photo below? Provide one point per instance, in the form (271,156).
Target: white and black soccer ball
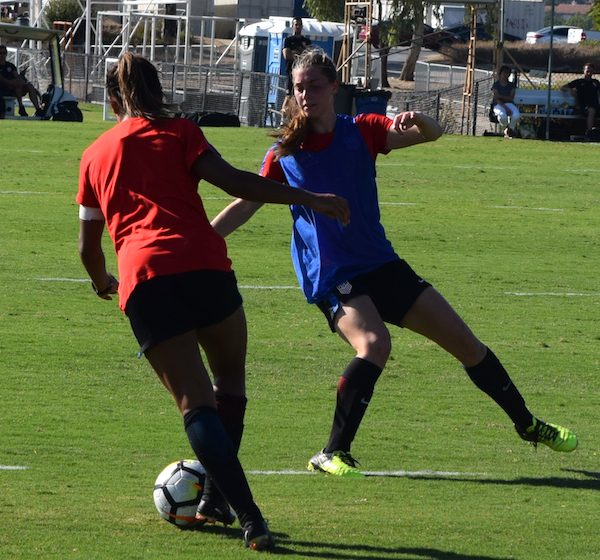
(177,492)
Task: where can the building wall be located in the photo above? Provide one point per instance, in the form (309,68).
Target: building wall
(254,9)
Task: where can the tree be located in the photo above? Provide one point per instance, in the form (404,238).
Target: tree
(403,14)
(325,10)
(595,13)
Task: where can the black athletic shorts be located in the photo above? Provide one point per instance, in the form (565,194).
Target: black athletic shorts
(393,287)
(167,306)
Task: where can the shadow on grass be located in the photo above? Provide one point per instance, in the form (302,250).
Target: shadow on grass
(591,483)
(367,552)
(354,551)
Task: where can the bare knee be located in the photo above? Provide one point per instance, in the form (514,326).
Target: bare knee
(375,347)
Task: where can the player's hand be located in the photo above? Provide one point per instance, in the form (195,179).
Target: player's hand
(105,291)
(404,121)
(332,206)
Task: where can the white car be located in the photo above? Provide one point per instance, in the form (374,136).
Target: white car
(561,34)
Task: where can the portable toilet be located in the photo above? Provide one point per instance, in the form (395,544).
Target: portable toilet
(254,41)
(326,35)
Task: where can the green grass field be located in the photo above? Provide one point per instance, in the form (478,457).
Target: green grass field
(506,230)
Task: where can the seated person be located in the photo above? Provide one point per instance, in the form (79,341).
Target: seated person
(586,91)
(13,84)
(505,110)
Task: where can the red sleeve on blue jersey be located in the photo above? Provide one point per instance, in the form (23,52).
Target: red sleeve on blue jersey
(374,128)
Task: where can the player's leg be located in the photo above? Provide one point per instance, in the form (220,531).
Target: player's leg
(178,363)
(433,317)
(358,322)
(225,348)
(591,118)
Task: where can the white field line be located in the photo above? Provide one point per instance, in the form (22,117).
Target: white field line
(560,294)
(564,294)
(24,192)
(528,208)
(11,468)
(375,473)
(241,287)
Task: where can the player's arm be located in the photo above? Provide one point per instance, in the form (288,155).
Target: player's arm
(234,216)
(249,186)
(92,257)
(410,128)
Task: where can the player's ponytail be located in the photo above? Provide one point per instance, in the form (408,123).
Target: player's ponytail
(133,84)
(295,131)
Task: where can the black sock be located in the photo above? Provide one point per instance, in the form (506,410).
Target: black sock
(491,377)
(214,450)
(354,392)
(231,410)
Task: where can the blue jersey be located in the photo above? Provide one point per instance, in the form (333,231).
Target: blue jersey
(325,253)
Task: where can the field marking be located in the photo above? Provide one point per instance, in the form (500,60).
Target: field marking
(528,208)
(375,473)
(563,294)
(11,468)
(241,287)
(24,192)
(399,203)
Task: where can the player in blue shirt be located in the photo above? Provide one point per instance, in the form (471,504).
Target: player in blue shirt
(353,274)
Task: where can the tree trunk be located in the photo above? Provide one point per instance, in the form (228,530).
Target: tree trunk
(383,53)
(169,25)
(408,70)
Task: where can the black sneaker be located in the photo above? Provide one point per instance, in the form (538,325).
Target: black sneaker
(210,513)
(258,537)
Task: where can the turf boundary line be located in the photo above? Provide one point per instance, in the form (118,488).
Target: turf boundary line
(241,287)
(12,468)
(559,294)
(396,474)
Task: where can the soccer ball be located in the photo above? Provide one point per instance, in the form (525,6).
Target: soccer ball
(177,492)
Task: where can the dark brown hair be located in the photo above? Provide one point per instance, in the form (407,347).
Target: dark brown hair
(133,84)
(295,131)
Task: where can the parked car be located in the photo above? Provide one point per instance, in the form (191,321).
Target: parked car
(577,35)
(432,39)
(561,34)
(463,32)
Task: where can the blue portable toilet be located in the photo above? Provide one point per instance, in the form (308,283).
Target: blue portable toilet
(324,34)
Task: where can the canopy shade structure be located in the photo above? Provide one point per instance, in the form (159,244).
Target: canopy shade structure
(50,36)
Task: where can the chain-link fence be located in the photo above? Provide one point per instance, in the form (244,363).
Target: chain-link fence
(256,98)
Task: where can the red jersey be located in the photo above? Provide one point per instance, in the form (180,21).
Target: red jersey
(139,175)
(373,128)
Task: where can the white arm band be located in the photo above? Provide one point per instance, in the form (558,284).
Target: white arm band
(88,214)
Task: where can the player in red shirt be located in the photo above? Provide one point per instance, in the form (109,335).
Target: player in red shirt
(177,286)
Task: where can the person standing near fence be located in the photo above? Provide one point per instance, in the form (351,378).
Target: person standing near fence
(353,273)
(293,46)
(175,279)
(506,111)
(587,91)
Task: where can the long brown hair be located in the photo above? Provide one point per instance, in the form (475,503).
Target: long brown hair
(294,132)
(133,84)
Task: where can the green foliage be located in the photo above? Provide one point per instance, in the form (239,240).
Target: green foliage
(325,10)
(595,13)
(581,20)
(481,218)
(62,10)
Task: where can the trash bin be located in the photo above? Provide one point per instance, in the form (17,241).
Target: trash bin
(372,101)
(344,100)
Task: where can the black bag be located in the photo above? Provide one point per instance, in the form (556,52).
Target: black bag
(207,118)
(67,111)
